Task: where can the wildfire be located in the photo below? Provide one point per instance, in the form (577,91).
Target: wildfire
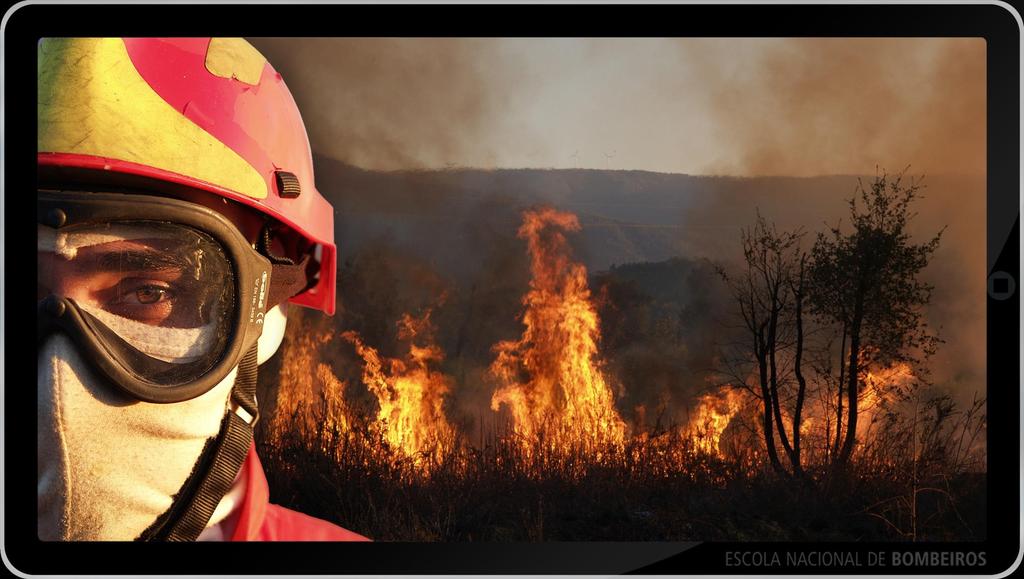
(879,383)
(310,402)
(806,425)
(410,394)
(709,420)
(551,378)
(877,392)
(551,382)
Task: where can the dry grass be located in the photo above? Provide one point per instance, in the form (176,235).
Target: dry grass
(921,478)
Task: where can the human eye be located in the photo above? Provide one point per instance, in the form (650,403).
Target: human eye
(153,293)
(150,301)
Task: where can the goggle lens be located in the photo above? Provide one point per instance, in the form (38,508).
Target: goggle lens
(165,289)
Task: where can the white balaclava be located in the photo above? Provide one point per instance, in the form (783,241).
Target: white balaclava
(109,465)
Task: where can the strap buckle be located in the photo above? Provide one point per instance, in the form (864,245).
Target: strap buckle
(245,415)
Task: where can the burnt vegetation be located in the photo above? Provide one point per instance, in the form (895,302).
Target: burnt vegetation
(784,395)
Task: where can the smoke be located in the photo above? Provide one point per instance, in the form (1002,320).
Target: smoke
(817,106)
(953,204)
(387,103)
(792,106)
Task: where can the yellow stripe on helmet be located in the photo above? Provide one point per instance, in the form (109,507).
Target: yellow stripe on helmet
(235,58)
(92,101)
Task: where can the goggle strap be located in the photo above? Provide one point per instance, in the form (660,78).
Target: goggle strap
(287,280)
(244,392)
(263,247)
(228,454)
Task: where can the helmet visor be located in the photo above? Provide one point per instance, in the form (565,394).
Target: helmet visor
(160,296)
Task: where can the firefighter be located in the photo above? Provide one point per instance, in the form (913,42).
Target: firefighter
(177,220)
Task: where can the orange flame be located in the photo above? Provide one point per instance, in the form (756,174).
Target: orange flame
(309,402)
(879,382)
(551,378)
(712,416)
(410,394)
(806,425)
(877,393)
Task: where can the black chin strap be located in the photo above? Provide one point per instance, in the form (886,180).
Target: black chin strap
(218,465)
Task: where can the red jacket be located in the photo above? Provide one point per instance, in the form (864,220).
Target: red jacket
(258,520)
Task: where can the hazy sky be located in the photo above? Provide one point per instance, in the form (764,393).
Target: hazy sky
(719,106)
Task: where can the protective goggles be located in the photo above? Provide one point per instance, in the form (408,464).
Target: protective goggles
(163,296)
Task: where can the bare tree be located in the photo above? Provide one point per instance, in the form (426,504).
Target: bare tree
(770,292)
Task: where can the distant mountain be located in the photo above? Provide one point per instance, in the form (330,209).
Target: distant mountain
(627,216)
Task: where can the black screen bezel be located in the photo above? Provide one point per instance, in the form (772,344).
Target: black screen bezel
(26,24)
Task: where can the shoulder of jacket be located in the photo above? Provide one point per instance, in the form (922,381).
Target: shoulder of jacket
(283,524)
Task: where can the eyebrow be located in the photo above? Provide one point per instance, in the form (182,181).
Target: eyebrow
(137,260)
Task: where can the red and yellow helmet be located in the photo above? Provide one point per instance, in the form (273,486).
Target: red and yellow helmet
(209,114)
